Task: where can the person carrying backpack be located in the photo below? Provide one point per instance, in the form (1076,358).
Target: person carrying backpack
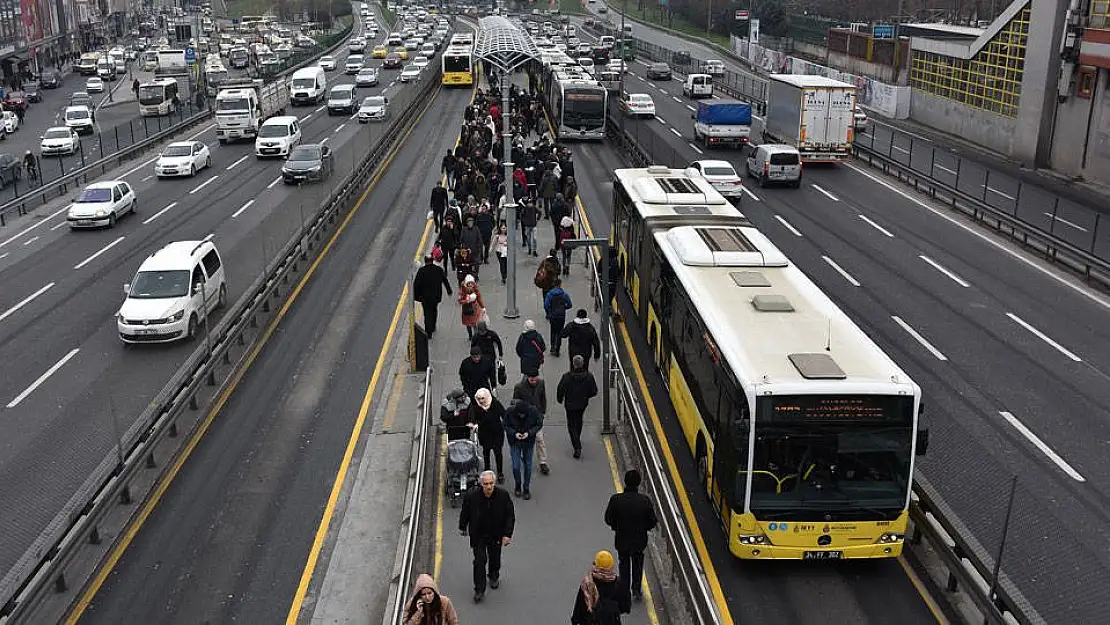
(555,306)
(601,599)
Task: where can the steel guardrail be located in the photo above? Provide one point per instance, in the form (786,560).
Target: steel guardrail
(44,564)
(968,564)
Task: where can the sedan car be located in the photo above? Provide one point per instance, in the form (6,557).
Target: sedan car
(413,44)
(366,77)
(101,204)
(327,63)
(14,101)
(356,45)
(94,85)
(659,71)
(720,174)
(374,108)
(59,140)
(379,52)
(80,98)
(638,105)
(861,122)
(307,162)
(421,62)
(410,73)
(182,158)
(392,61)
(402,52)
(353,64)
(9,122)
(617,65)
(50,79)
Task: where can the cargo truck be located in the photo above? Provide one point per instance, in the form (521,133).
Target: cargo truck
(725,124)
(814,114)
(243,104)
(171,63)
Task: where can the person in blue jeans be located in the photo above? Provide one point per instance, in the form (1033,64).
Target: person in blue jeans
(555,305)
(521,423)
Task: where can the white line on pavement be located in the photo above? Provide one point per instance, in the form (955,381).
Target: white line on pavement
(826,193)
(993,190)
(241,159)
(42,378)
(943,168)
(1041,445)
(31,240)
(159,213)
(321,107)
(676,133)
(1044,337)
(58,225)
(1066,222)
(145,178)
(840,270)
(876,226)
(33,226)
(786,224)
(27,300)
(900,149)
(663,90)
(341,126)
(5,255)
(750,193)
(243,208)
(210,235)
(204,184)
(276,180)
(955,278)
(97,254)
(920,339)
(695,148)
(660,120)
(691,108)
(677,99)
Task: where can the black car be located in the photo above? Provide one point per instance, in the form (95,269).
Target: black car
(11,169)
(307,162)
(659,71)
(50,79)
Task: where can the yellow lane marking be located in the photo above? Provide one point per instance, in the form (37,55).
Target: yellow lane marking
(649,602)
(391,405)
(438,562)
(930,602)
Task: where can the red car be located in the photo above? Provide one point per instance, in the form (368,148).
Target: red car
(15,101)
(392,61)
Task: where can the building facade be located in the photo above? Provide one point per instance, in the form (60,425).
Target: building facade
(1081,142)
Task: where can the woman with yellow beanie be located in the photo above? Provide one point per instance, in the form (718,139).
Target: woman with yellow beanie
(601,597)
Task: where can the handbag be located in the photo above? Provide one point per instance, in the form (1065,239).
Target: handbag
(468,308)
(502,375)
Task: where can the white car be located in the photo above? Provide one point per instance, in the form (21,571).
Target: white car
(356,45)
(421,62)
(366,77)
(94,85)
(374,108)
(638,105)
(353,64)
(101,204)
(182,158)
(617,65)
(715,67)
(9,122)
(586,63)
(410,73)
(720,174)
(327,63)
(79,118)
(60,140)
(861,123)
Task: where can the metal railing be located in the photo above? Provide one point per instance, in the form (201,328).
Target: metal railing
(45,565)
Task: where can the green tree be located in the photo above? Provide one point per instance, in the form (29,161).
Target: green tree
(772,17)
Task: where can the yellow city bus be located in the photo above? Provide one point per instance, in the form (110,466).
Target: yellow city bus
(458,66)
(804,433)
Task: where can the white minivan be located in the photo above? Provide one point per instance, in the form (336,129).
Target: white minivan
(698,86)
(775,163)
(277,136)
(175,289)
(308,85)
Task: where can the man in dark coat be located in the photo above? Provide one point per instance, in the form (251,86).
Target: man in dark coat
(488,516)
(574,392)
(439,204)
(582,339)
(530,348)
(522,422)
(488,341)
(477,371)
(427,288)
(631,515)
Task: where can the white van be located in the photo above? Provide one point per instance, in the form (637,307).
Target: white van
(774,163)
(308,85)
(698,86)
(277,136)
(175,289)
(715,67)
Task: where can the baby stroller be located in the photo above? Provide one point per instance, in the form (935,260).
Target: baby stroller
(462,462)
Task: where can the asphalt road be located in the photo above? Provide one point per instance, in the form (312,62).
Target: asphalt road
(1013,356)
(68,387)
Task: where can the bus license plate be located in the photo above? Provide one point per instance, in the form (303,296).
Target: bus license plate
(822,555)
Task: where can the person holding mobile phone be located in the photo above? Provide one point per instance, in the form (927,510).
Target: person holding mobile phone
(428,607)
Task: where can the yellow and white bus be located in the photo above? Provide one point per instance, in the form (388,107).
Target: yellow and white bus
(458,66)
(803,431)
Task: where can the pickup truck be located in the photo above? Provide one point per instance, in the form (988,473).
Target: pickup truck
(723,124)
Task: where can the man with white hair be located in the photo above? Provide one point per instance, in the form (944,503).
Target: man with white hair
(488,517)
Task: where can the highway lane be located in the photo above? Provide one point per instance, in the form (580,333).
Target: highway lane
(1003,343)
(63,423)
(230,538)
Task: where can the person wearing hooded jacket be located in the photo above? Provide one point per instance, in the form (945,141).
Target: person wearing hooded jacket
(530,348)
(581,336)
(487,413)
(522,422)
(600,599)
(488,341)
(556,303)
(454,413)
(427,606)
(564,231)
(574,392)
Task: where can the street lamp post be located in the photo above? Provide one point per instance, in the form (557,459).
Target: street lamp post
(620,82)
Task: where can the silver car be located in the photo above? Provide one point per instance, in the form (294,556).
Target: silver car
(366,77)
(374,108)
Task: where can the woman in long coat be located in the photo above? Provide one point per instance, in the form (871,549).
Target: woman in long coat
(470,299)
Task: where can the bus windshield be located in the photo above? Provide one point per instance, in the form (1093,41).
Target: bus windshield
(583,107)
(844,457)
(456,63)
(152,94)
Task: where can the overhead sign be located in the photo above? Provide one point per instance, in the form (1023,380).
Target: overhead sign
(742,15)
(190,55)
(882,31)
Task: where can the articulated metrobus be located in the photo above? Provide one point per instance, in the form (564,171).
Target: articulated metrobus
(458,65)
(577,104)
(803,431)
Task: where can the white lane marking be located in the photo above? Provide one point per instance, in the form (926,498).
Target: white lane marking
(27,300)
(5,254)
(691,108)
(900,149)
(209,237)
(826,193)
(663,90)
(943,168)
(54,227)
(204,184)
(1041,445)
(905,132)
(31,240)
(159,213)
(750,193)
(993,190)
(321,107)
(1065,222)
(840,270)
(660,120)
(305,118)
(142,165)
(920,339)
(42,378)
(341,126)
(676,133)
(97,254)
(243,158)
(786,224)
(1044,337)
(243,208)
(1094,297)
(695,148)
(677,99)
(145,178)
(276,180)
(955,278)
(33,226)
(877,226)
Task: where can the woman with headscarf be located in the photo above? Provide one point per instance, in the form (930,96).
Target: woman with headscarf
(487,412)
(601,599)
(428,607)
(470,298)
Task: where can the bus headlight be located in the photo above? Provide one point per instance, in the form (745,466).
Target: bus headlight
(754,539)
(892,537)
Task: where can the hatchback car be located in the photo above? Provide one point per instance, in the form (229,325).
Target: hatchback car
(720,174)
(341,99)
(173,291)
(59,140)
(775,164)
(374,108)
(410,73)
(638,105)
(421,62)
(366,77)
(101,204)
(392,61)
(659,71)
(94,85)
(379,52)
(309,162)
(327,63)
(182,158)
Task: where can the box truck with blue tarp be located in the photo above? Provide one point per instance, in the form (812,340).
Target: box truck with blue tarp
(723,124)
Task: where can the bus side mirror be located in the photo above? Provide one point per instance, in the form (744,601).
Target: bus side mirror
(922,441)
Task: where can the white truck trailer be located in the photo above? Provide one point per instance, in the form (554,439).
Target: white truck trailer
(814,114)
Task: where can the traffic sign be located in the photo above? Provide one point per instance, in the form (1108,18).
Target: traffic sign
(882,31)
(742,15)
(190,55)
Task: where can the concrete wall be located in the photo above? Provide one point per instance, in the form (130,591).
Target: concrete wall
(992,131)
(1081,138)
(1038,84)
(850,64)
